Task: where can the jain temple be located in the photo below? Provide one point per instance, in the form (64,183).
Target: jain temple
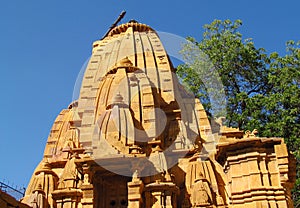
(136,138)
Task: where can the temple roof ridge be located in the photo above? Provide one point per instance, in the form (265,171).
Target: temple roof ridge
(139,27)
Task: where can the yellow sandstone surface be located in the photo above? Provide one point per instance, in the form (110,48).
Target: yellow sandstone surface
(136,138)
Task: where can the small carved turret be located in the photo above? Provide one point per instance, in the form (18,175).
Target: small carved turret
(38,198)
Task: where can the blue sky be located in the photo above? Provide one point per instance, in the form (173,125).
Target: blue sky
(43,45)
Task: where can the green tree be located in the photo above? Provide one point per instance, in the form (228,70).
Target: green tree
(262,91)
(283,104)
(240,65)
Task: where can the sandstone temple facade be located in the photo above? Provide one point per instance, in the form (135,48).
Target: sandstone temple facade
(136,138)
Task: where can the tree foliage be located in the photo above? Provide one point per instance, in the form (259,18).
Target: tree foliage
(262,90)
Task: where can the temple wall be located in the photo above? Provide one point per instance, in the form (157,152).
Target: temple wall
(253,173)
(7,201)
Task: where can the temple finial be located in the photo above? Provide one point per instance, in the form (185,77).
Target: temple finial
(121,16)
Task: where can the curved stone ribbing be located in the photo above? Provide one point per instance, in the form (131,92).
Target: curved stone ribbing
(146,84)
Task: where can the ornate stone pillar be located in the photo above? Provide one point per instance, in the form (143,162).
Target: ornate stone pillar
(161,194)
(135,189)
(87,192)
(67,198)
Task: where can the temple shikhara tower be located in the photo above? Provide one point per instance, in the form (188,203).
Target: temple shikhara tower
(136,138)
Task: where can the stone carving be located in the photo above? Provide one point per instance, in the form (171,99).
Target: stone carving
(70,175)
(249,134)
(201,192)
(86,179)
(38,199)
(137,138)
